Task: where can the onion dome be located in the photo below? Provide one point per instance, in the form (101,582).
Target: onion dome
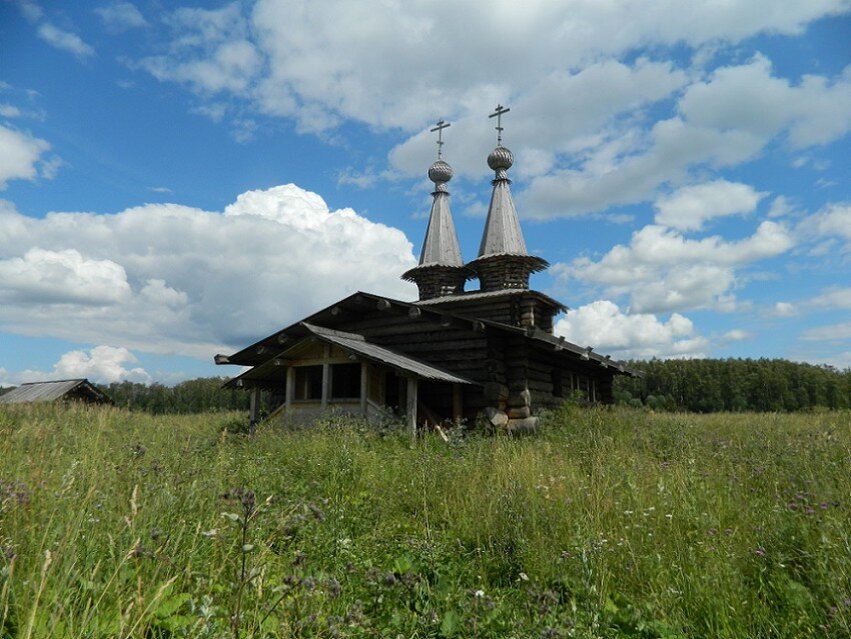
(500,158)
(440,172)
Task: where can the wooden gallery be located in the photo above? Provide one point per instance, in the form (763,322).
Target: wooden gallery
(450,355)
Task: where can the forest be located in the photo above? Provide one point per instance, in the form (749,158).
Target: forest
(691,385)
(734,385)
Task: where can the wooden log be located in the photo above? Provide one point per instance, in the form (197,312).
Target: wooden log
(518,412)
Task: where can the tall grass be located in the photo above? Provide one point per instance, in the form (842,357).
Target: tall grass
(608,524)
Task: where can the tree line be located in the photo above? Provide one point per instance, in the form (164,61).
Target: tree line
(200,395)
(696,385)
(712,385)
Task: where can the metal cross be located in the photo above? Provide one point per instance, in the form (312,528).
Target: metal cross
(498,115)
(439,128)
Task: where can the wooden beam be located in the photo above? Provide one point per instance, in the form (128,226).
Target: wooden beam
(383,305)
(412,407)
(414,312)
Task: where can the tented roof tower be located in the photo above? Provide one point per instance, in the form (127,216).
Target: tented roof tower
(503,262)
(441,270)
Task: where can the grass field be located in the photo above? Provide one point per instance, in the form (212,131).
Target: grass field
(610,523)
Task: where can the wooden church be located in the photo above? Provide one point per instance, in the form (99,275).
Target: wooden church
(452,354)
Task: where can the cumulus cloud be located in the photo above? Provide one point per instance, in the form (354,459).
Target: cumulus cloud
(65,40)
(210,51)
(721,121)
(688,208)
(21,157)
(591,129)
(833,333)
(119,17)
(833,222)
(784,309)
(663,271)
(735,335)
(61,277)
(173,279)
(834,298)
(101,364)
(604,326)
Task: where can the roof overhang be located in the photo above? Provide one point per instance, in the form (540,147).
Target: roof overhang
(274,369)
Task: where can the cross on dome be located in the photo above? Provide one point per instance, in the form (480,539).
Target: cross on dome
(498,115)
(439,128)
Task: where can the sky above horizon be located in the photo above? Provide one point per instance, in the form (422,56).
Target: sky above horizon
(180,181)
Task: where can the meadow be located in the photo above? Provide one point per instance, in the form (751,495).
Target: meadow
(609,523)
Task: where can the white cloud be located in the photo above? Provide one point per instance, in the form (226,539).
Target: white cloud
(784,309)
(101,364)
(662,270)
(30,10)
(604,326)
(64,40)
(172,279)
(21,156)
(720,122)
(736,335)
(210,51)
(781,206)
(9,111)
(61,277)
(832,333)
(120,16)
(834,298)
(689,207)
(833,221)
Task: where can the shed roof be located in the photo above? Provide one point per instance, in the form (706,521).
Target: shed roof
(50,391)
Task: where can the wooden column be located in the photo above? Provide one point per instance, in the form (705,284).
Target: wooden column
(364,388)
(457,402)
(412,406)
(290,388)
(326,376)
(254,405)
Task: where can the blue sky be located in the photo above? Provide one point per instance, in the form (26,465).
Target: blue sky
(177,181)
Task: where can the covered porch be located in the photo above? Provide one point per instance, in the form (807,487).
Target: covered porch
(335,370)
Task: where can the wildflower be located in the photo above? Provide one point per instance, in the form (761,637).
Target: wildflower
(213,532)
(333,587)
(389,579)
(759,552)
(317,512)
(523,576)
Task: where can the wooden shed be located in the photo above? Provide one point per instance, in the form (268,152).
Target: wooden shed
(450,355)
(74,390)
